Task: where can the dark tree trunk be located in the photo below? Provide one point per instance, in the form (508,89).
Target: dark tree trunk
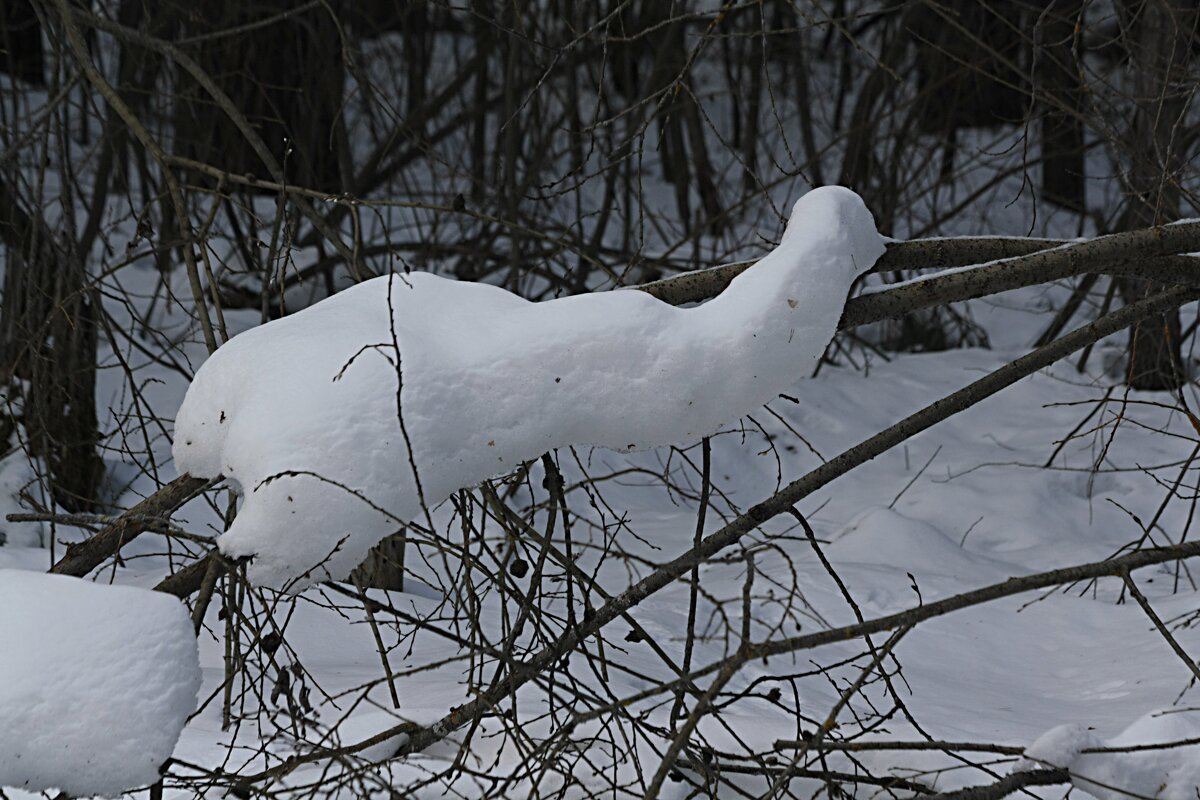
(48,353)
(21,42)
(290,90)
(970,55)
(384,566)
(1062,106)
(1161,37)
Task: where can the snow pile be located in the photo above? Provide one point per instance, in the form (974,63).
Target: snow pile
(1166,770)
(302,414)
(96,683)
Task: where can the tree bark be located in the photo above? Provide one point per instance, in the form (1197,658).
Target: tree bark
(383,567)
(1161,37)
(48,353)
(21,53)
(291,92)
(1062,104)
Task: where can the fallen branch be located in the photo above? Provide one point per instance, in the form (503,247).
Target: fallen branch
(188,580)
(1113,567)
(704,284)
(1007,262)
(891,782)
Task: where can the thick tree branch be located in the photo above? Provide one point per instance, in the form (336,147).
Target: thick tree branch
(188,580)
(82,558)
(1006,785)
(704,284)
(1010,264)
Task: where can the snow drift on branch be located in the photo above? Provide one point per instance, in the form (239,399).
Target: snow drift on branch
(303,415)
(96,683)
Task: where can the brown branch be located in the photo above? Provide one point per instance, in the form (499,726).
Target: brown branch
(1042,580)
(82,558)
(864,779)
(1006,785)
(1012,264)
(1002,276)
(188,580)
(421,737)
(704,284)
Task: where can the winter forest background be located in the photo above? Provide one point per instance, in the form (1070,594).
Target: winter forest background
(953,562)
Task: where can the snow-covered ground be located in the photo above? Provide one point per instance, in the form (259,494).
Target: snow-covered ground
(993,493)
(966,504)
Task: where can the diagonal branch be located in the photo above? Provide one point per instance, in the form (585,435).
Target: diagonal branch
(82,558)
(1006,785)
(420,738)
(796,491)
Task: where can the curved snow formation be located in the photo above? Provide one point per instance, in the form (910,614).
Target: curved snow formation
(302,416)
(96,683)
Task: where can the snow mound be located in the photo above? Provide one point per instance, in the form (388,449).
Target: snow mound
(302,415)
(1164,773)
(881,536)
(96,683)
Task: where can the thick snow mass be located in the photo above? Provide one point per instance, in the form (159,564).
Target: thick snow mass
(302,414)
(1168,772)
(96,683)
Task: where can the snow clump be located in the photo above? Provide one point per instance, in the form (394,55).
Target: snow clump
(1160,758)
(96,683)
(302,415)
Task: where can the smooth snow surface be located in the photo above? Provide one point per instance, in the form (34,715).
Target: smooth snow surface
(301,414)
(1166,773)
(96,683)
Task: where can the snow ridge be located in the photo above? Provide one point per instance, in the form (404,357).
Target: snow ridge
(301,414)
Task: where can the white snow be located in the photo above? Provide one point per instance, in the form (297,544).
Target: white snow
(1167,772)
(96,683)
(17,475)
(1057,747)
(301,414)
